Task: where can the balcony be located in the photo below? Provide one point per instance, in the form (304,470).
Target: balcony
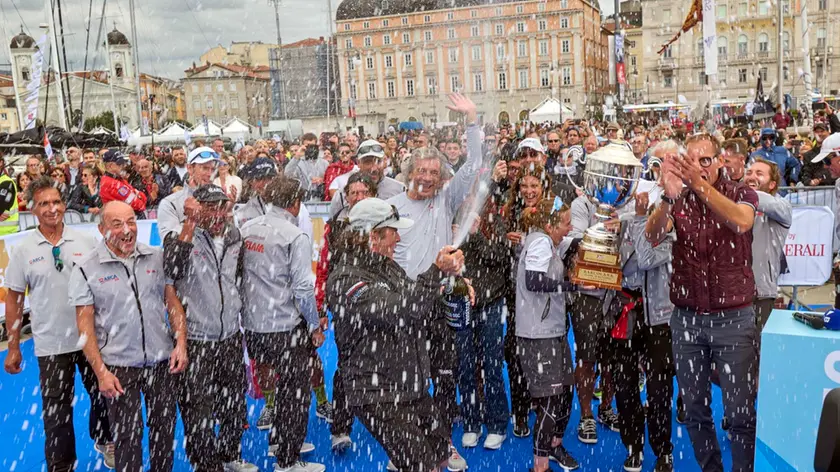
(667,63)
(698,60)
(762,55)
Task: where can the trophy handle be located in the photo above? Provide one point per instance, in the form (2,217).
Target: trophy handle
(569,176)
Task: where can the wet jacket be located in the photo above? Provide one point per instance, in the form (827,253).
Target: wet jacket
(488,268)
(380,318)
(170,213)
(208,285)
(541,315)
(113,187)
(654,266)
(773,218)
(82,201)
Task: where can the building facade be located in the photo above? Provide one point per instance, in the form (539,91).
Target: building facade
(304,80)
(748,47)
(240,53)
(167,103)
(397,61)
(222,92)
(9,122)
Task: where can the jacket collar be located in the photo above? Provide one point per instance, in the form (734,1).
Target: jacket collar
(277,212)
(66,236)
(106,255)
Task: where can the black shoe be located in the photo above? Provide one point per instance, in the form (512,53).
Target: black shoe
(664,463)
(609,419)
(587,433)
(520,427)
(680,411)
(633,463)
(561,456)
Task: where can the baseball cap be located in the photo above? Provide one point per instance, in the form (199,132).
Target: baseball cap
(375,213)
(821,125)
(113,155)
(210,194)
(261,168)
(371,147)
(613,125)
(532,143)
(202,154)
(830,145)
(768,132)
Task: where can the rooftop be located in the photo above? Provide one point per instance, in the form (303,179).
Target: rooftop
(356,9)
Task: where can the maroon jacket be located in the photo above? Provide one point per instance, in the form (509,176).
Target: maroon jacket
(712,264)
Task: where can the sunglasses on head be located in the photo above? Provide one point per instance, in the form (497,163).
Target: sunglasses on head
(56,253)
(370,148)
(206,155)
(395,215)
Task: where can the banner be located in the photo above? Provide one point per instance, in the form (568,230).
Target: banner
(808,247)
(619,58)
(710,37)
(30,102)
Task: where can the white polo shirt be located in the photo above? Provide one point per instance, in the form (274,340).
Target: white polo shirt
(32,266)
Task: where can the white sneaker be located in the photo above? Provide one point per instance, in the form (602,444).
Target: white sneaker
(469,440)
(304,448)
(391,467)
(341,443)
(494,441)
(301,467)
(240,466)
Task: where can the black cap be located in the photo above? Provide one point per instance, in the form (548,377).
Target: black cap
(821,125)
(261,168)
(112,155)
(210,194)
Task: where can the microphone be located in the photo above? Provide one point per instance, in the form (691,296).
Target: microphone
(814,321)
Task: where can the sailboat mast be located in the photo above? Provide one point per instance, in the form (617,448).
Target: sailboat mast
(136,66)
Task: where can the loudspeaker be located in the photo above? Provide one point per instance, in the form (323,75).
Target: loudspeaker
(827,450)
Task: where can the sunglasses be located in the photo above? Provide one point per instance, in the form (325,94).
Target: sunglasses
(59,264)
(345,152)
(370,148)
(767,138)
(554,140)
(395,215)
(529,153)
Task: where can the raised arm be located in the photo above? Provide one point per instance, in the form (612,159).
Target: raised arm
(777,209)
(463,180)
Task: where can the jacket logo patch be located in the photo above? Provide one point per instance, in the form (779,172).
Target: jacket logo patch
(151,271)
(356,291)
(77,254)
(122,191)
(109,278)
(37,259)
(255,247)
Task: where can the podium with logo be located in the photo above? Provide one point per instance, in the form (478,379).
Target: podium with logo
(799,366)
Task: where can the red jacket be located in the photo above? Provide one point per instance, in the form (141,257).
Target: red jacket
(334,170)
(113,187)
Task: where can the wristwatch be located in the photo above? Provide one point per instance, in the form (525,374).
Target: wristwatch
(668,200)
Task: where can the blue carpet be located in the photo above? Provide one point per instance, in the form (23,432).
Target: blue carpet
(22,433)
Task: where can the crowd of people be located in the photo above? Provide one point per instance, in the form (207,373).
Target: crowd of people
(411,305)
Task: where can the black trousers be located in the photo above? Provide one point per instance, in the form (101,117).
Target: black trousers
(652,346)
(553,414)
(289,354)
(443,362)
(410,432)
(213,389)
(57,376)
(520,398)
(157,387)
(342,424)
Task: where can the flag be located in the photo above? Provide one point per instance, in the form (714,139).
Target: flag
(47,147)
(695,15)
(710,53)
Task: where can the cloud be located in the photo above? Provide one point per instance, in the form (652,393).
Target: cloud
(171,34)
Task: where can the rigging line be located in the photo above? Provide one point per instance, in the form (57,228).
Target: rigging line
(210,45)
(84,67)
(23,23)
(68,98)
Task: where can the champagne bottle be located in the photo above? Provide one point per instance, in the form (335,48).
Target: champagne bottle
(457,302)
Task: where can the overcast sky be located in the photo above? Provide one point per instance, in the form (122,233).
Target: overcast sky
(173,33)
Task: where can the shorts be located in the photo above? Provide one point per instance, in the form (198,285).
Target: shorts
(592,333)
(546,364)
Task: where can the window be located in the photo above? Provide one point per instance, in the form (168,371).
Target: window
(742,76)
(476,53)
(473,14)
(346,26)
(668,53)
(453,55)
(520,9)
(567,75)
(786,41)
(404,20)
(821,38)
(498,11)
(502,80)
(521,48)
(390,89)
(353,91)
(541,25)
(454,83)
(234,102)
(385,23)
(371,89)
(785,7)
(564,4)
(564,23)
(209,103)
(541,6)
(763,8)
(545,79)
(474,31)
(195,88)
(450,33)
(763,42)
(369,62)
(450,16)
(742,9)
(523,79)
(564,46)
(351,64)
(431,85)
(822,5)
(520,26)
(700,47)
(543,47)
(743,43)
(386,39)
(366,25)
(722,76)
(367,41)
(701,78)
(206,88)
(633,61)
(478,82)
(500,51)
(668,81)
(722,45)
(430,57)
(196,104)
(232,87)
(406,38)
(666,16)
(427,35)
(500,29)
(407,59)
(389,61)
(427,19)
(348,43)
(721,12)
(763,74)
(786,73)
(409,87)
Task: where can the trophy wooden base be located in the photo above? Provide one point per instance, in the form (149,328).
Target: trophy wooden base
(597,269)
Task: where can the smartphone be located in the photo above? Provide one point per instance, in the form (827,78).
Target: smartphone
(817,106)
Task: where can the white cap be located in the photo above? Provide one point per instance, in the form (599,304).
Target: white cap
(371,147)
(374,213)
(202,154)
(830,145)
(532,143)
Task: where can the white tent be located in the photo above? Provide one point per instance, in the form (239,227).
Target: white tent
(549,110)
(236,128)
(173,129)
(214,129)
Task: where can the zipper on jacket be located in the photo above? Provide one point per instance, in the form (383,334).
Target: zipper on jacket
(139,306)
(219,279)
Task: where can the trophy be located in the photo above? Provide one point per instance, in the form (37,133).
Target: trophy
(610,177)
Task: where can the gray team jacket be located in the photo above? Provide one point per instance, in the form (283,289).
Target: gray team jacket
(541,315)
(654,266)
(208,285)
(277,282)
(170,214)
(132,329)
(773,218)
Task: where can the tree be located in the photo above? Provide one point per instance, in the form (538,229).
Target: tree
(104,119)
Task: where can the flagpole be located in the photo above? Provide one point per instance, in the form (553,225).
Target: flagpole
(780,77)
(806,66)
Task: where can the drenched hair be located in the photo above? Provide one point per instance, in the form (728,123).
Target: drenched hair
(358,177)
(775,174)
(39,184)
(427,154)
(665,147)
(514,200)
(283,192)
(537,218)
(737,146)
(696,138)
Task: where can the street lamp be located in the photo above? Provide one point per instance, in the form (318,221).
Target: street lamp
(635,84)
